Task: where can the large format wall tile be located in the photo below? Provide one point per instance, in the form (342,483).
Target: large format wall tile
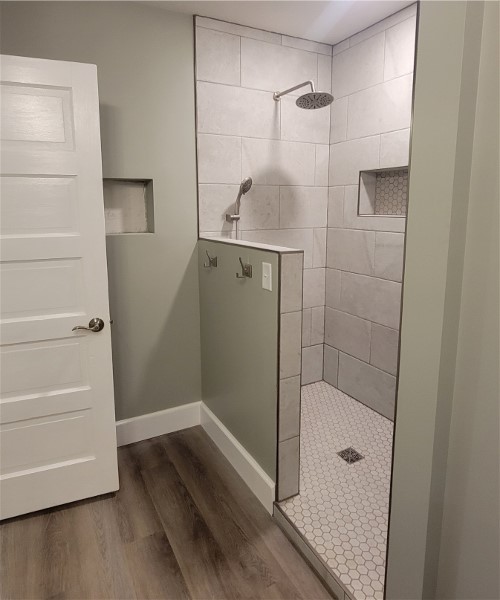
(347,159)
(370,298)
(214,201)
(400,49)
(336,206)
(275,68)
(288,468)
(291,282)
(228,110)
(322,164)
(299,125)
(301,44)
(303,207)
(306,326)
(312,364)
(219,159)
(351,250)
(279,163)
(332,285)
(338,120)
(381,108)
(319,247)
(259,207)
(289,408)
(395,148)
(384,348)
(324,83)
(314,288)
(390,21)
(389,251)
(313,326)
(330,365)
(290,344)
(241,30)
(358,67)
(317,325)
(218,56)
(367,384)
(348,333)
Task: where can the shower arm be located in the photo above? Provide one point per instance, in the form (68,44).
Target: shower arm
(277,95)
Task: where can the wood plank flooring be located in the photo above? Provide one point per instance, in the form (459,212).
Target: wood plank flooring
(182,525)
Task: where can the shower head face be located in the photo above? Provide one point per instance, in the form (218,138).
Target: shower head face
(245,185)
(314,100)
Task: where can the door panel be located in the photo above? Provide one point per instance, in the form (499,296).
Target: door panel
(38,205)
(36,116)
(57,425)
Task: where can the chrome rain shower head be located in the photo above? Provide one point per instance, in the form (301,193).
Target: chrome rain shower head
(245,186)
(313,100)
(309,101)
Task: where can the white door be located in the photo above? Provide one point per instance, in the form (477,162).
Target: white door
(57,422)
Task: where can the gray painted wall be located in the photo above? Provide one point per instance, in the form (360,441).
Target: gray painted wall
(469,551)
(239,334)
(144,59)
(445,476)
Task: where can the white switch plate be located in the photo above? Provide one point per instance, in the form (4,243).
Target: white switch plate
(267,276)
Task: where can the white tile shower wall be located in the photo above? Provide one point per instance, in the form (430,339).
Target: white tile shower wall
(291,272)
(370,121)
(243,132)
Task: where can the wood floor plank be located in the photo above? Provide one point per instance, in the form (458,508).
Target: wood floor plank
(136,514)
(21,546)
(203,564)
(230,524)
(183,525)
(154,569)
(217,466)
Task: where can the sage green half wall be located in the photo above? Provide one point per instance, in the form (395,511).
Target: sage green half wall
(239,340)
(145,67)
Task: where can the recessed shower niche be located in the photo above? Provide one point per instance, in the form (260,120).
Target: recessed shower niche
(383,192)
(128,206)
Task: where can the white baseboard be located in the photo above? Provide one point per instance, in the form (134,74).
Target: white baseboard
(151,425)
(247,467)
(158,423)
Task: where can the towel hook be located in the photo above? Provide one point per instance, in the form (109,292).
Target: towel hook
(246,270)
(212,261)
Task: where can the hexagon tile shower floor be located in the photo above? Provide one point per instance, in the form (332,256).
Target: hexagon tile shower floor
(342,508)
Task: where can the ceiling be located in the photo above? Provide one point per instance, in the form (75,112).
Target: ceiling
(329,22)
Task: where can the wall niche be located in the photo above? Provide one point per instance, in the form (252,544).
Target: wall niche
(383,192)
(128,206)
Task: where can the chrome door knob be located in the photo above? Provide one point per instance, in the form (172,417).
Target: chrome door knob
(95,325)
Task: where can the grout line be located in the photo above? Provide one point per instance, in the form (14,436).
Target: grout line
(249,137)
(274,33)
(342,310)
(317,71)
(241,159)
(293,95)
(308,229)
(365,88)
(239,39)
(383,64)
(349,39)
